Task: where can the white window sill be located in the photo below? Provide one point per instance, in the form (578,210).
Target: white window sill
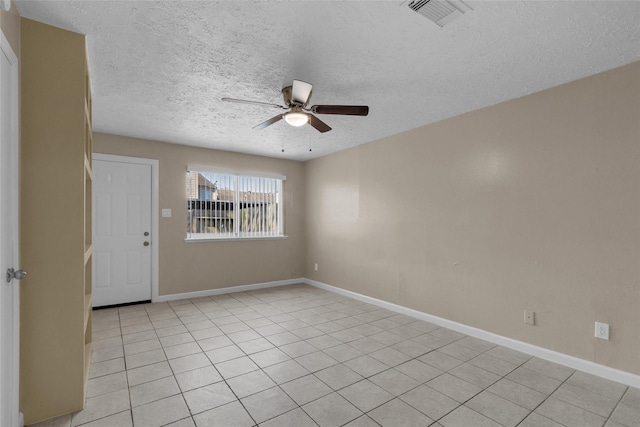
(227,239)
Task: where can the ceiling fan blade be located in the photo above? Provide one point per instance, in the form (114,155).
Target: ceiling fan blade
(244,101)
(301,92)
(347,110)
(269,122)
(318,124)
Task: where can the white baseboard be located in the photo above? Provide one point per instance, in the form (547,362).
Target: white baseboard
(231,289)
(543,353)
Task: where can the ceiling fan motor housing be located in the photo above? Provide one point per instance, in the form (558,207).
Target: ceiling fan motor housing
(286,95)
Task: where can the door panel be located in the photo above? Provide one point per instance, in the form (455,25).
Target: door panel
(122,214)
(134,203)
(102,205)
(102,265)
(134,276)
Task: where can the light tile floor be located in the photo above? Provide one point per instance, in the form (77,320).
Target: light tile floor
(300,356)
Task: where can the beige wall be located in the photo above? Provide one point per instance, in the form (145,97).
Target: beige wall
(530,204)
(188,267)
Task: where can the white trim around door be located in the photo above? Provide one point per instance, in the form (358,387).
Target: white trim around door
(10,320)
(155,207)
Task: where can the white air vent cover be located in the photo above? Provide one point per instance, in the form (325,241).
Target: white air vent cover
(442,12)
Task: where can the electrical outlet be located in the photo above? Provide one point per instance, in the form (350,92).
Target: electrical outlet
(529,317)
(602,331)
(315,267)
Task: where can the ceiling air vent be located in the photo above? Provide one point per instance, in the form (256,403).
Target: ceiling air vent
(442,12)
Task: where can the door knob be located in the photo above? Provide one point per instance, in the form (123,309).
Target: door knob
(15,274)
(146,243)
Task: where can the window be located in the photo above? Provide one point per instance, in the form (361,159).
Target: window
(223,205)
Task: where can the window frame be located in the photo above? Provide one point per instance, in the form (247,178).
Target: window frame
(236,234)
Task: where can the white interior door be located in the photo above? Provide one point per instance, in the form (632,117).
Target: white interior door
(122,232)
(9,244)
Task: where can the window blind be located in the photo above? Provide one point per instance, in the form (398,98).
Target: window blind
(223,205)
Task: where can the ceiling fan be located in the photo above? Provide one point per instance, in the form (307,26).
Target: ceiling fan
(296,98)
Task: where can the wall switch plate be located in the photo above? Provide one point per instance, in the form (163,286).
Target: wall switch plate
(166,213)
(529,317)
(602,331)
(315,267)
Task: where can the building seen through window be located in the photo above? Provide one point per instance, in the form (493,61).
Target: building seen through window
(221,205)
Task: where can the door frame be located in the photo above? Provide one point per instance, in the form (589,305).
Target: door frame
(155,208)
(14,197)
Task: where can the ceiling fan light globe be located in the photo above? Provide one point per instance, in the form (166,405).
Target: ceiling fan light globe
(296,119)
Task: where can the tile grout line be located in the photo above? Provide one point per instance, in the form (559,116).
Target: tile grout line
(312,373)
(225,379)
(617,404)
(546,398)
(313,307)
(124,357)
(483,389)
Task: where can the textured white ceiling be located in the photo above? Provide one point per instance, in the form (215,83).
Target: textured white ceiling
(159,68)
